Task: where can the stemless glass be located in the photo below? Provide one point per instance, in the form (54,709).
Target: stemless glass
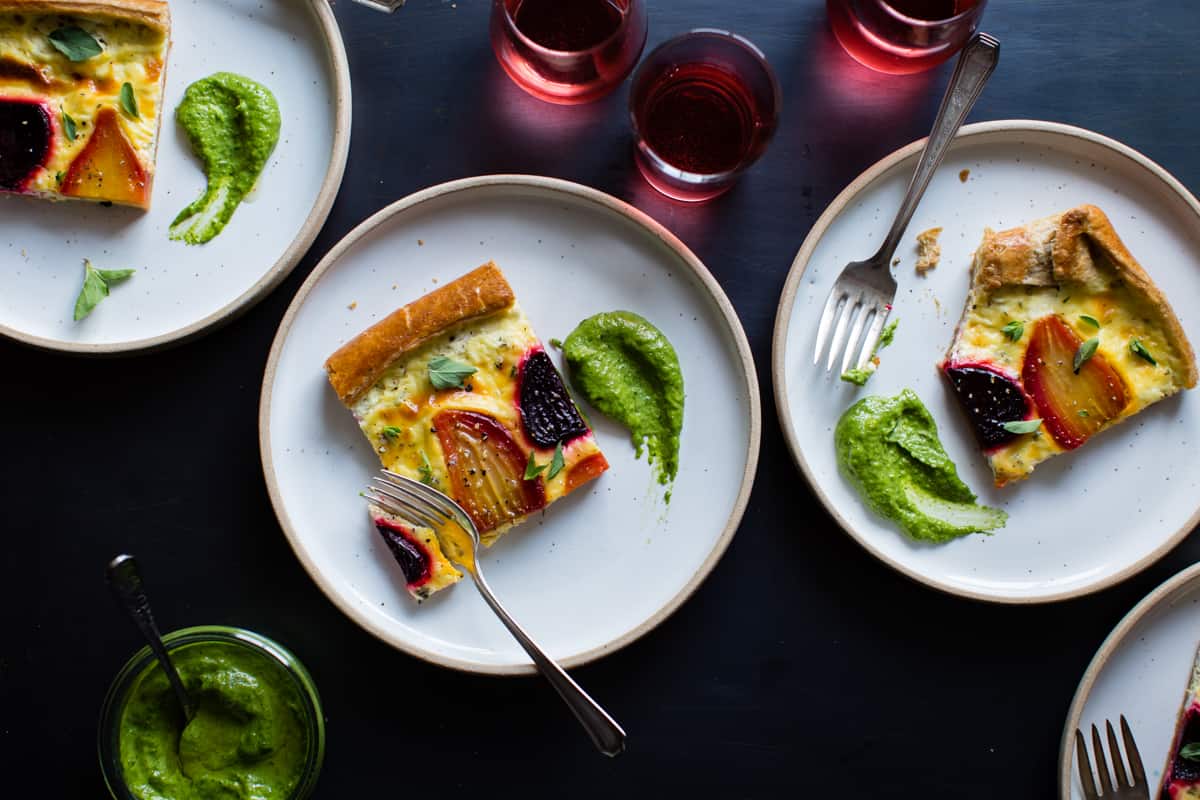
(903,36)
(703,107)
(568,51)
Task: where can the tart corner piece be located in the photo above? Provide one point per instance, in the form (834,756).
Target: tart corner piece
(456,390)
(1064,335)
(81,85)
(1181,775)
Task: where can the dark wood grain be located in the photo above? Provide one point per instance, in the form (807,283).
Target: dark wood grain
(802,668)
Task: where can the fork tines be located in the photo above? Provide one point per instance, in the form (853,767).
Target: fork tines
(1126,786)
(404,497)
(851,302)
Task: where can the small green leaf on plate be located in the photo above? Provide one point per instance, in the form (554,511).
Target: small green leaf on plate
(1095,323)
(1085,351)
(556,463)
(129,101)
(532,468)
(556,343)
(68,126)
(1140,351)
(75,43)
(95,287)
(1014,330)
(1022,425)
(446,373)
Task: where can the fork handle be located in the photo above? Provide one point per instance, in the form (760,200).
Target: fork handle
(607,735)
(975,65)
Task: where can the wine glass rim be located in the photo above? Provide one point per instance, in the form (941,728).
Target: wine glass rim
(626,14)
(930,23)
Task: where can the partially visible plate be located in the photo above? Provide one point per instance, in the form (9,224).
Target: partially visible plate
(1141,671)
(597,569)
(1084,520)
(291,46)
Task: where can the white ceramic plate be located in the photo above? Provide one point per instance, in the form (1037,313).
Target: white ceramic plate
(1085,520)
(291,46)
(599,568)
(1141,671)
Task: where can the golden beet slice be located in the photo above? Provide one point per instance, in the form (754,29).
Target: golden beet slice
(1074,405)
(108,168)
(486,469)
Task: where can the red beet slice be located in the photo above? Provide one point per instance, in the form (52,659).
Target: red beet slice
(409,554)
(25,135)
(990,399)
(547,413)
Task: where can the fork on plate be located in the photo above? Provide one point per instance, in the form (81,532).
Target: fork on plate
(425,506)
(862,295)
(1119,785)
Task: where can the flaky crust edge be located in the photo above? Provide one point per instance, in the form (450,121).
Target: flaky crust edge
(1010,258)
(359,363)
(154,13)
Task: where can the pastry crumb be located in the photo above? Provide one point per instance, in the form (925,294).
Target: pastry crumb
(963,175)
(394,286)
(420,242)
(895,262)
(929,252)
(353,305)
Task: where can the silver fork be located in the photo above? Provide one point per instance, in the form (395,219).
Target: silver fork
(864,291)
(1131,786)
(428,507)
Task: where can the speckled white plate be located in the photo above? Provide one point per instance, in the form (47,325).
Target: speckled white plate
(1084,520)
(291,46)
(597,569)
(1141,671)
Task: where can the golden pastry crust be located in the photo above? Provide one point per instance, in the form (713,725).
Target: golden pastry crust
(358,364)
(1080,246)
(153,13)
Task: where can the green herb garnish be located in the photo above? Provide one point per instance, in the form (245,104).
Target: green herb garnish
(391,431)
(1085,351)
(1190,751)
(446,373)
(556,343)
(1139,350)
(1014,330)
(556,463)
(68,126)
(75,43)
(1022,425)
(532,468)
(95,287)
(1095,323)
(860,375)
(425,470)
(129,101)
(1083,412)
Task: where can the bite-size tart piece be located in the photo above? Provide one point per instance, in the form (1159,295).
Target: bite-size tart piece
(1181,776)
(1064,335)
(456,390)
(418,552)
(81,84)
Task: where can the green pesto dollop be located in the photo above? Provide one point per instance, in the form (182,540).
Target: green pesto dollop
(247,740)
(233,124)
(888,448)
(627,369)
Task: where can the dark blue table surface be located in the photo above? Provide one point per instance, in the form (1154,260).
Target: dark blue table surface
(802,668)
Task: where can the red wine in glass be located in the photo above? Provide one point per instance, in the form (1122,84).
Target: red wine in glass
(704,106)
(568,51)
(903,36)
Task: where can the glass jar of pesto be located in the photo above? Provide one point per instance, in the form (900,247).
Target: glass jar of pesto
(257,732)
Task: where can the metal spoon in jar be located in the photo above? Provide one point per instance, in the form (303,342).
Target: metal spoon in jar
(125,581)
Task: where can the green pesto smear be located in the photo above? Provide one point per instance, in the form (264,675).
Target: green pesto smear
(627,369)
(233,124)
(860,375)
(888,448)
(247,740)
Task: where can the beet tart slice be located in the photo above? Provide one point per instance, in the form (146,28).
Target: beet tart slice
(456,390)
